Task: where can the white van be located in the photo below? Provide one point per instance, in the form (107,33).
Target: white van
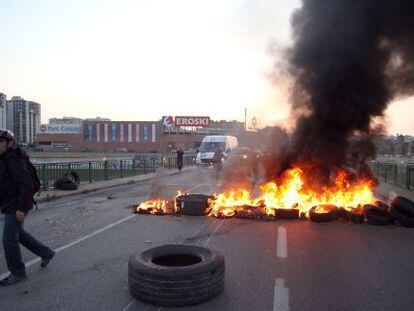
(211,144)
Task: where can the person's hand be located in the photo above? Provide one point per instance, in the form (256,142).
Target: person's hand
(20,216)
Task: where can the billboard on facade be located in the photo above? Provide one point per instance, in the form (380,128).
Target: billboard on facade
(192,121)
(167,121)
(61,128)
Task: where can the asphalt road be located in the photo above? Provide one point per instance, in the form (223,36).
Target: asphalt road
(275,265)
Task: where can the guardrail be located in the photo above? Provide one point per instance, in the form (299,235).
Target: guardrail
(394,173)
(92,171)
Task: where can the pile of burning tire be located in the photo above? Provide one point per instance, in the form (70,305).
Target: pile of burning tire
(400,211)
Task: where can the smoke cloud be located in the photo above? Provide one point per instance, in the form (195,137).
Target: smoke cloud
(349,59)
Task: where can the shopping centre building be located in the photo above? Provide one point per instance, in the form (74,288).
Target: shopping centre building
(104,135)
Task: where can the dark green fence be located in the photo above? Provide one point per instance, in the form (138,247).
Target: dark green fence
(401,174)
(91,171)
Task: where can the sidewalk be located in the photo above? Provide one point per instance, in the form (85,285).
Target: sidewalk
(386,192)
(99,185)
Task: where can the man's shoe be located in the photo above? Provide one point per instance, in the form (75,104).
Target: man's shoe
(12,279)
(45,261)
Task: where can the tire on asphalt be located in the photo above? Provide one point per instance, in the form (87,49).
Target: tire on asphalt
(401,215)
(65,184)
(73,176)
(193,204)
(355,215)
(405,205)
(176,275)
(375,215)
(381,204)
(282,213)
(332,213)
(344,213)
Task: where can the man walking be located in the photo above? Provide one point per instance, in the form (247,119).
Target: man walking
(180,154)
(16,200)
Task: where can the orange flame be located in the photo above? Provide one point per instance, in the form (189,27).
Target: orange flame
(291,192)
(154,206)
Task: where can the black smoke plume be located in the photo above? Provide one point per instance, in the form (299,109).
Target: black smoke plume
(349,59)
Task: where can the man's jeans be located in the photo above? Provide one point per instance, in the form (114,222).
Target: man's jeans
(13,234)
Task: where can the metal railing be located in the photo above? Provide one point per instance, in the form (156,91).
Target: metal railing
(394,173)
(92,171)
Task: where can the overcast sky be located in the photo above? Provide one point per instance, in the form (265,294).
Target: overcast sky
(142,59)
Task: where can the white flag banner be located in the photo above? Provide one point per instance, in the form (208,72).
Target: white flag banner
(153,133)
(129,132)
(106,132)
(98,132)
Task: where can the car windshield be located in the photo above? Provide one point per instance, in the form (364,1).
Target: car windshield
(212,146)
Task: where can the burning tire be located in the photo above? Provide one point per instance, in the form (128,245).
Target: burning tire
(282,213)
(375,215)
(402,211)
(355,215)
(381,204)
(176,275)
(323,213)
(193,204)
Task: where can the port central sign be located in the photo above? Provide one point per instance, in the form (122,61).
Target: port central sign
(185,121)
(68,128)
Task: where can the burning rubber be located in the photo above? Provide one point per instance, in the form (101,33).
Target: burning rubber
(401,210)
(176,275)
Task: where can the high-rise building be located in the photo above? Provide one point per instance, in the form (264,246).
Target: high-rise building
(23,118)
(3,115)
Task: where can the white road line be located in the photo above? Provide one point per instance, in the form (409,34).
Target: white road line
(214,232)
(281,247)
(59,249)
(88,236)
(197,231)
(281,296)
(128,305)
(73,243)
(132,303)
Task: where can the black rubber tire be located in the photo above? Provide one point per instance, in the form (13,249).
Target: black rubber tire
(375,215)
(65,184)
(357,216)
(193,204)
(174,286)
(333,214)
(73,176)
(344,213)
(405,205)
(381,204)
(400,216)
(282,213)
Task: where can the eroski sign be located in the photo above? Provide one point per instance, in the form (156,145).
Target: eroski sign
(192,121)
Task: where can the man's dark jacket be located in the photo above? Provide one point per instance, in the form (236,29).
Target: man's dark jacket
(16,184)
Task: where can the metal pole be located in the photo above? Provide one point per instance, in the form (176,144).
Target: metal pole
(106,170)
(90,172)
(245,119)
(44,179)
